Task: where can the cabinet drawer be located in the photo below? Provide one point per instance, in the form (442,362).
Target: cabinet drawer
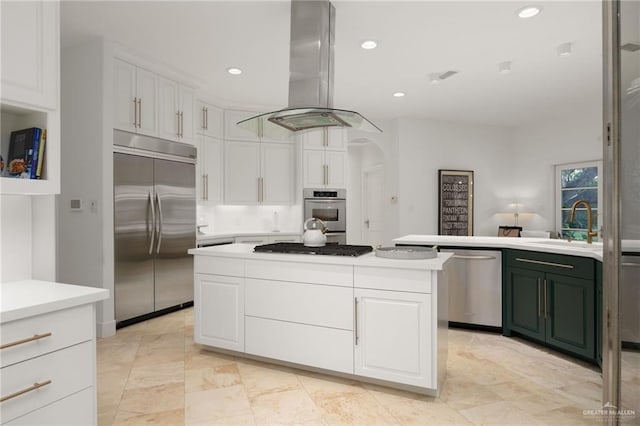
(67,327)
(323,305)
(416,281)
(299,343)
(314,273)
(219,266)
(575,266)
(77,409)
(70,370)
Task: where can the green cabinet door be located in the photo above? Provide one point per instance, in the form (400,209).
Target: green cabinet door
(569,313)
(599,313)
(524,303)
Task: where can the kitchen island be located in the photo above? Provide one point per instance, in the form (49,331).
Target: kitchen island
(377,320)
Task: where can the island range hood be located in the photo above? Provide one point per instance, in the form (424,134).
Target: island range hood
(311,68)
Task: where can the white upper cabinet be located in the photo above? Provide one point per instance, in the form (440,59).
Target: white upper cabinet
(234,132)
(209,119)
(324,159)
(176,108)
(326,139)
(30,84)
(30,53)
(135,105)
(210,166)
(258,173)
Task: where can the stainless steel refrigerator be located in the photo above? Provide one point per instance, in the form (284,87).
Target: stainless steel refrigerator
(154,225)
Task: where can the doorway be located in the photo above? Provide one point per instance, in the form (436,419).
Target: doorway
(372,180)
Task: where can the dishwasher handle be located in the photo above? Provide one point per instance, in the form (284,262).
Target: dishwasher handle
(472,257)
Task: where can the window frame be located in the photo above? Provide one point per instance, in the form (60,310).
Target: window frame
(558,191)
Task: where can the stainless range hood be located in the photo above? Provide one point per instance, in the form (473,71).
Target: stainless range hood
(310,77)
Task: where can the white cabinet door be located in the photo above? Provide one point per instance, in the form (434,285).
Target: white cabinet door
(146,89)
(30,48)
(313,169)
(219,311)
(313,139)
(209,120)
(124,98)
(169,116)
(336,140)
(241,172)
(210,161)
(336,162)
(232,131)
(186,105)
(277,168)
(393,337)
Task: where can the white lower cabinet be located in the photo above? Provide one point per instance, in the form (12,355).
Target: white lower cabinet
(393,336)
(47,359)
(219,311)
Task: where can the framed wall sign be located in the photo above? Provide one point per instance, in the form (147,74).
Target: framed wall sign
(455,202)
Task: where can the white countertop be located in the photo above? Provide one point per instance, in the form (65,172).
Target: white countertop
(546,245)
(22,299)
(245,251)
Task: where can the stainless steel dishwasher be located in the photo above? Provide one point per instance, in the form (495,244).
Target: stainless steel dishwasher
(629,297)
(475,289)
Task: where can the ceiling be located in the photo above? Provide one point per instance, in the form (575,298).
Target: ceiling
(415,38)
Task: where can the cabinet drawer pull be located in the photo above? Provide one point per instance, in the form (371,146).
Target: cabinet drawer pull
(631,264)
(355,319)
(28,339)
(139,112)
(25,390)
(540,262)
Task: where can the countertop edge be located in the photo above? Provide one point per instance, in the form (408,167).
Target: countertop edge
(71,296)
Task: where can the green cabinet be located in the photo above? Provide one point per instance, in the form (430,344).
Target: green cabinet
(599,304)
(551,299)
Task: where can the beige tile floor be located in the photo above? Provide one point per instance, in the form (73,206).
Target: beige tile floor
(153,373)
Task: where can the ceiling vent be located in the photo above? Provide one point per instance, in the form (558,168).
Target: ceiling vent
(447,74)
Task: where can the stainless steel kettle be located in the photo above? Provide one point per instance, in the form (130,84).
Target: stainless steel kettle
(314,230)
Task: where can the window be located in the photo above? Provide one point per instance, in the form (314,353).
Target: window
(574,182)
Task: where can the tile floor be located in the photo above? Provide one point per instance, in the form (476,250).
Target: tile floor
(153,373)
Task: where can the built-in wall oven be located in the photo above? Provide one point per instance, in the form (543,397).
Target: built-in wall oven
(330,206)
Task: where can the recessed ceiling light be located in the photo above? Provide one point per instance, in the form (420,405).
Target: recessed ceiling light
(234,71)
(399,94)
(528,11)
(564,49)
(369,44)
(504,67)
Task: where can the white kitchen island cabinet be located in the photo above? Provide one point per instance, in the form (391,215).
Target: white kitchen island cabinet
(364,317)
(48,353)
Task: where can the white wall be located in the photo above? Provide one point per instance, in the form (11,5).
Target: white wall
(575,137)
(424,146)
(85,238)
(233,219)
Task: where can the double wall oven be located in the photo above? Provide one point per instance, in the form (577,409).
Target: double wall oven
(330,206)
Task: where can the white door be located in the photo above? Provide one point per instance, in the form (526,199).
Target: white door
(219,311)
(336,140)
(187,98)
(125,96)
(313,169)
(336,162)
(393,336)
(211,169)
(241,172)
(277,173)
(168,120)
(147,88)
(313,139)
(372,206)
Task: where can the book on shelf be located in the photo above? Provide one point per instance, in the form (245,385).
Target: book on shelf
(26,153)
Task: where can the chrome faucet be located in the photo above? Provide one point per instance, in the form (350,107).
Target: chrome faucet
(590,233)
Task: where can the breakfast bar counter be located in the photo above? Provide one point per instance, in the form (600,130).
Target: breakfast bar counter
(374,319)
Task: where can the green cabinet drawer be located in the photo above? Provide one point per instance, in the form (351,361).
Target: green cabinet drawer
(579,267)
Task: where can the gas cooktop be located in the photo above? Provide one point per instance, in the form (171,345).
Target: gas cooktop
(329,249)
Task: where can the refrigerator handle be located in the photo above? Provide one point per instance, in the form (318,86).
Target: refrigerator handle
(153,221)
(159,223)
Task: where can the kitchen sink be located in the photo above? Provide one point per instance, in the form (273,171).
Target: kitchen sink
(570,244)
